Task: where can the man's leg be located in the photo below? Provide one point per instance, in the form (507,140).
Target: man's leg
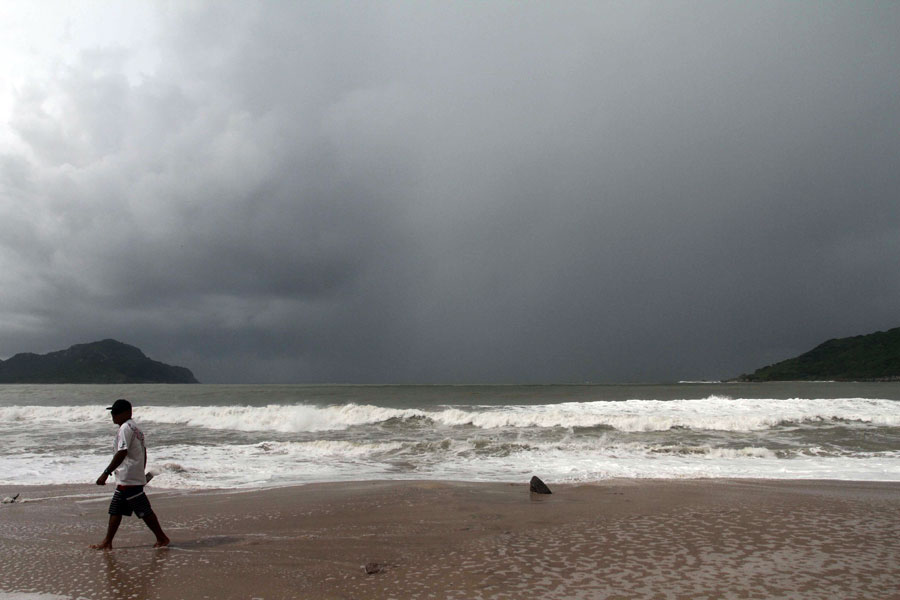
(153,523)
(111,529)
(141,506)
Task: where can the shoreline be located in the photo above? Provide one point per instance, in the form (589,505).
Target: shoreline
(47,492)
(74,490)
(619,538)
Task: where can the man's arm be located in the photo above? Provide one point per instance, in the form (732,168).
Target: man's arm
(117,459)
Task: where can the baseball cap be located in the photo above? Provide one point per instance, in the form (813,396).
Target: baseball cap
(119,406)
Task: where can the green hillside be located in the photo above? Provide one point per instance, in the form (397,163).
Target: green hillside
(875,356)
(106,361)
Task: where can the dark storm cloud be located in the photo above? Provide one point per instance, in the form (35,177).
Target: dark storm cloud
(464,193)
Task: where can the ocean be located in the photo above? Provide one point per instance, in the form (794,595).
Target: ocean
(246,436)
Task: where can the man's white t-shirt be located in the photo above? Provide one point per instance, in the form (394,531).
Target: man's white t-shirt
(131,471)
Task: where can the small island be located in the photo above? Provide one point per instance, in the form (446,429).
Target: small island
(106,361)
(871,357)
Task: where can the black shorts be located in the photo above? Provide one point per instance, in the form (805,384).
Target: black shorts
(132,499)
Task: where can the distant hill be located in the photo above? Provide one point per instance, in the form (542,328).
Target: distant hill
(872,357)
(107,361)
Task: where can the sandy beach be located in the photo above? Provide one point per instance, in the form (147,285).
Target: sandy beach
(667,539)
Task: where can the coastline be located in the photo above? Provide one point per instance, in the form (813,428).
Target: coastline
(621,538)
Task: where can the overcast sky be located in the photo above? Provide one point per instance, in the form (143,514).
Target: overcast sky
(449,192)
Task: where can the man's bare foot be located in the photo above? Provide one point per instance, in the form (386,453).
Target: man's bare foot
(161,543)
(104,545)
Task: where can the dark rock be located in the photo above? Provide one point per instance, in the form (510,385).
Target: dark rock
(372,568)
(538,486)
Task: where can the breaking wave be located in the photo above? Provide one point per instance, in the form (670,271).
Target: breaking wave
(716,413)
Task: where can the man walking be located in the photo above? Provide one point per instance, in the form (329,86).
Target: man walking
(128,463)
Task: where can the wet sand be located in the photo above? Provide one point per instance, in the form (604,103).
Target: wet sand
(622,539)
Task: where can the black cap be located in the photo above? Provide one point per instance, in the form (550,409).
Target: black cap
(119,406)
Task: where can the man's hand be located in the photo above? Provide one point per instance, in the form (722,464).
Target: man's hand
(117,460)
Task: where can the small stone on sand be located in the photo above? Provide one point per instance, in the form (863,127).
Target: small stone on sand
(372,568)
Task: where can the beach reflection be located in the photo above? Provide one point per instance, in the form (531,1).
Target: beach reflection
(129,575)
